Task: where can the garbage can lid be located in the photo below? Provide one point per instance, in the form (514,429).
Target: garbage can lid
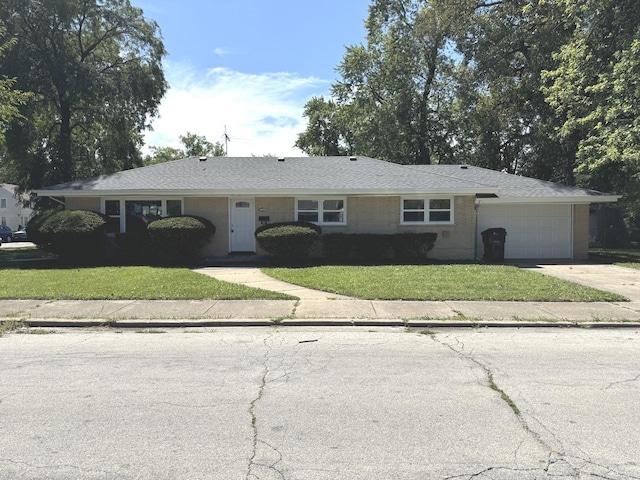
(490,231)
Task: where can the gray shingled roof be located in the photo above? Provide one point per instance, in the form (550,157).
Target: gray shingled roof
(507,185)
(268,175)
(315,175)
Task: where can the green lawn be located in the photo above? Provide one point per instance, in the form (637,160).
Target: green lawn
(30,273)
(439,282)
(122,283)
(625,258)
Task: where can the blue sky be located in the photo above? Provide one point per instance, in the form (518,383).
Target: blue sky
(250,65)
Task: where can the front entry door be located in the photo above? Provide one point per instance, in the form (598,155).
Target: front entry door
(243,225)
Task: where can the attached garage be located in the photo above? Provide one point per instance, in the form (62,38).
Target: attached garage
(533,230)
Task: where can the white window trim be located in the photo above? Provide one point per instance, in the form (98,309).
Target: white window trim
(122,201)
(426,210)
(320,201)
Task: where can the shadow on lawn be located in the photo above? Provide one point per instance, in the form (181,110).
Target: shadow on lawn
(604,255)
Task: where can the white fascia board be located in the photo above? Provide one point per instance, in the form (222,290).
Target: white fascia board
(584,199)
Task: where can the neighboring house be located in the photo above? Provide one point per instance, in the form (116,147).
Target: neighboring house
(13,212)
(346,194)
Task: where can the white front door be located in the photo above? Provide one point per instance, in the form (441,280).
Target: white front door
(243,225)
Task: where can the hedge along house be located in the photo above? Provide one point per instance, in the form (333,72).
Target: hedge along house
(348,195)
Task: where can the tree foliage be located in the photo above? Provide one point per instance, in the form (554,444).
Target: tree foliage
(393,100)
(193,146)
(595,89)
(94,67)
(10,98)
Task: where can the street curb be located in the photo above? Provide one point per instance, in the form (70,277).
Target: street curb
(167,323)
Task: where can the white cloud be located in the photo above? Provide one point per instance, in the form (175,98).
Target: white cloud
(262,113)
(220,51)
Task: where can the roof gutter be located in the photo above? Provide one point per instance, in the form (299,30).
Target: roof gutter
(569,199)
(256,193)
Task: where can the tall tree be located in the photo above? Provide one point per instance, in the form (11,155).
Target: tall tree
(193,146)
(394,96)
(507,123)
(595,88)
(95,69)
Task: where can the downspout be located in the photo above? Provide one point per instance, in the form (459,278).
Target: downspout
(475,230)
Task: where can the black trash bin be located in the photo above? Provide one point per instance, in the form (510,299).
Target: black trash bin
(493,240)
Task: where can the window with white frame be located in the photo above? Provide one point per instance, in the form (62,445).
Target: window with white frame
(3,203)
(137,213)
(322,211)
(420,210)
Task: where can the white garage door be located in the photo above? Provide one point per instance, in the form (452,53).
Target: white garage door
(533,231)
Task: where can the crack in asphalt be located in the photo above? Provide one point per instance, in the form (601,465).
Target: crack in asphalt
(558,462)
(254,465)
(252,407)
(495,387)
(50,468)
(629,380)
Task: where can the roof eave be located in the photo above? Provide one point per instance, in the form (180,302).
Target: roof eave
(259,192)
(552,199)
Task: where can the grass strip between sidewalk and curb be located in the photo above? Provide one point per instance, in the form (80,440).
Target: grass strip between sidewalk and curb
(440,282)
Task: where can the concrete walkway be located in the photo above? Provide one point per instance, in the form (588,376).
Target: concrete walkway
(321,308)
(253,277)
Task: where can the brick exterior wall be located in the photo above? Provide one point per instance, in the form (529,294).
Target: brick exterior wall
(364,215)
(580,232)
(382,215)
(215,209)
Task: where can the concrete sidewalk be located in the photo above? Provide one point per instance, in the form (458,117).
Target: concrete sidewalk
(321,308)
(315,312)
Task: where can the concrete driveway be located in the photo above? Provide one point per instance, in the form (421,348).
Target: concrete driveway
(610,278)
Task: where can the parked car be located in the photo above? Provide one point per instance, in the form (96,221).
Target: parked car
(20,235)
(6,235)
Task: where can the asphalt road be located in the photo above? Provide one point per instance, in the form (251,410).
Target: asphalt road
(313,403)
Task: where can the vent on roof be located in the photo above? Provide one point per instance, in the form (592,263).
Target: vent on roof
(203,159)
(281,159)
(353,159)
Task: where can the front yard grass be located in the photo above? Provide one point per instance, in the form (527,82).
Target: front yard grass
(622,257)
(440,282)
(122,283)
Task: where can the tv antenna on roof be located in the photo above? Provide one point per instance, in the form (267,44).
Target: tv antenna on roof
(227,139)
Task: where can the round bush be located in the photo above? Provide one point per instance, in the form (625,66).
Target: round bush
(288,240)
(179,239)
(76,235)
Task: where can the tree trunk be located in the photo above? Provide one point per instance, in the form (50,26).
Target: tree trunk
(65,161)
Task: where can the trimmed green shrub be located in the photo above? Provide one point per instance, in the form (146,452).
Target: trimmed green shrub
(178,239)
(337,246)
(288,240)
(357,246)
(377,247)
(413,246)
(74,235)
(134,247)
(373,247)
